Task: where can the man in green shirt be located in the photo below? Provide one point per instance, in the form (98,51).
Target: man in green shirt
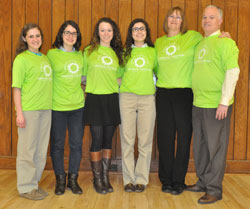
(214,78)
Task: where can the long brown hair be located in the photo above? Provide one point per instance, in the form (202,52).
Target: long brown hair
(183,28)
(130,40)
(115,44)
(22,45)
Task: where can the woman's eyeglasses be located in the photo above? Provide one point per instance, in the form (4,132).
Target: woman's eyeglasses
(68,33)
(136,29)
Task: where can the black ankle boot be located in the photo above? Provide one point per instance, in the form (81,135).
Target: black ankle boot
(98,183)
(73,185)
(105,177)
(60,184)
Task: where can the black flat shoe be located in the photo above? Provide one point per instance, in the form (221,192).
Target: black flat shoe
(167,188)
(177,190)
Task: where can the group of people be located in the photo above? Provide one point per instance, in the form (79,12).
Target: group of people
(195,82)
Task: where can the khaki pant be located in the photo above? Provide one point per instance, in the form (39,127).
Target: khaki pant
(137,112)
(32,149)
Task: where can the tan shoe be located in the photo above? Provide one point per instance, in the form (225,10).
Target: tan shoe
(208,199)
(33,195)
(41,191)
(129,187)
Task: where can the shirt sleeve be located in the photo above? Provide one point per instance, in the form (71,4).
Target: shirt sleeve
(81,59)
(155,63)
(18,74)
(228,86)
(229,58)
(230,53)
(156,60)
(193,37)
(85,63)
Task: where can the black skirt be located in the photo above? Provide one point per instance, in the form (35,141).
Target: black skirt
(102,109)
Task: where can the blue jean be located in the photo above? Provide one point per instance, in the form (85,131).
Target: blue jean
(61,120)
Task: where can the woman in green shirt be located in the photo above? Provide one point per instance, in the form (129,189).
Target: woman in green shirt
(101,63)
(174,98)
(67,106)
(32,90)
(137,105)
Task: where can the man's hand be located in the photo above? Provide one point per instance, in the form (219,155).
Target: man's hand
(221,112)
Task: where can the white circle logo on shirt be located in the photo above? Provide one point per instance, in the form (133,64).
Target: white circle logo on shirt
(47,70)
(106,60)
(73,68)
(202,53)
(139,62)
(171,50)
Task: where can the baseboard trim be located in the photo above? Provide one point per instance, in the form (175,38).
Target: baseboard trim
(232,166)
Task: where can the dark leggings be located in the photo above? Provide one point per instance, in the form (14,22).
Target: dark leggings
(101,137)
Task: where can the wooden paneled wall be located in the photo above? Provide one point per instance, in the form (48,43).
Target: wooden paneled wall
(50,14)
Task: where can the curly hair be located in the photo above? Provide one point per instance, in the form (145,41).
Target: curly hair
(183,28)
(22,45)
(59,40)
(115,44)
(130,40)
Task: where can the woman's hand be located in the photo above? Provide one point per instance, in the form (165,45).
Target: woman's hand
(225,35)
(20,121)
(119,81)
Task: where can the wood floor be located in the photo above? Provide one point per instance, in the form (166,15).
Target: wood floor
(236,194)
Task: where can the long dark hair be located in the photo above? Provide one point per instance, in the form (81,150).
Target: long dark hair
(130,40)
(22,45)
(59,40)
(115,44)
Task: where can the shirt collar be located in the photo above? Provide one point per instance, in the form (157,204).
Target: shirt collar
(214,33)
(62,48)
(143,46)
(39,53)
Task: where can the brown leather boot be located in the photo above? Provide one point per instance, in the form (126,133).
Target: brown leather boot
(105,177)
(96,165)
(106,162)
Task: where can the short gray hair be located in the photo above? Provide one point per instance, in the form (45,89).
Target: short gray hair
(218,8)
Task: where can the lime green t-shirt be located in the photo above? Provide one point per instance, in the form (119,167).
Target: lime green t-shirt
(138,72)
(33,75)
(175,57)
(213,57)
(67,72)
(101,70)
